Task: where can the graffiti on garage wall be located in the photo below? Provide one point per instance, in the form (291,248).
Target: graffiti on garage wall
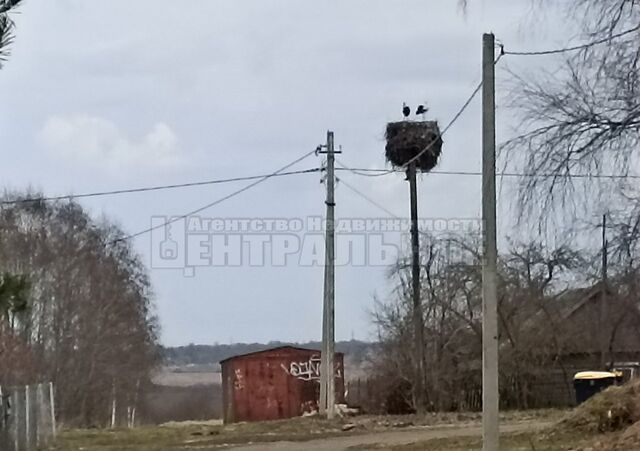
(238,380)
(307,370)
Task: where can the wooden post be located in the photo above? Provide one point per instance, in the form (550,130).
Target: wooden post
(490,393)
(38,417)
(113,405)
(418,327)
(27,418)
(16,419)
(3,422)
(52,405)
(605,329)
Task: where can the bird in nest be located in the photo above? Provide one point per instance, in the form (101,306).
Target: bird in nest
(406,111)
(421,111)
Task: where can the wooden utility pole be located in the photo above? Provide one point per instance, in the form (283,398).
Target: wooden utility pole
(604,307)
(418,329)
(327,366)
(490,399)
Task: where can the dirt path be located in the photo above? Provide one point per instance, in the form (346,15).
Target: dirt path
(403,437)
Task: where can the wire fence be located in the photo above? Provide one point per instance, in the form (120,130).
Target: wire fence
(27,417)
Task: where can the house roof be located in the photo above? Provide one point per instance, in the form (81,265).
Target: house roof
(570,301)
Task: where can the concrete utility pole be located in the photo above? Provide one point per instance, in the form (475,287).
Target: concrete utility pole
(327,366)
(418,330)
(604,307)
(490,395)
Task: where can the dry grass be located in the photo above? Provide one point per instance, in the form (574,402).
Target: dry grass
(458,418)
(177,436)
(629,440)
(210,435)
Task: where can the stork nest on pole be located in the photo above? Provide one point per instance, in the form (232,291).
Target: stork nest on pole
(406,140)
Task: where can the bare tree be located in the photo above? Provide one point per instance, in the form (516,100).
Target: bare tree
(88,319)
(531,333)
(6,27)
(583,118)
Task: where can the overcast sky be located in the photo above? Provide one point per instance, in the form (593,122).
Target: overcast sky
(120,94)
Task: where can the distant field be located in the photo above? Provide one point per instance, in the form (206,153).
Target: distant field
(183,377)
(183,393)
(191,375)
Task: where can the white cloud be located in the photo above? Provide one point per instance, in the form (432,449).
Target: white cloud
(100,143)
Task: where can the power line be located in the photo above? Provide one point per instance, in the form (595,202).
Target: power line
(155,188)
(574,48)
(367,198)
(375,203)
(432,143)
(453,121)
(366,172)
(455,118)
(217,201)
(383,172)
(379,172)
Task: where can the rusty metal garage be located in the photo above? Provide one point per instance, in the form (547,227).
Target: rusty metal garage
(277,383)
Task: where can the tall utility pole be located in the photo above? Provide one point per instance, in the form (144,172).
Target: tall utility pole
(327,367)
(418,330)
(604,307)
(490,400)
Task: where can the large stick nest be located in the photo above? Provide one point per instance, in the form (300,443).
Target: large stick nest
(407,139)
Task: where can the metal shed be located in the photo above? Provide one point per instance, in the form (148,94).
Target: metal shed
(277,383)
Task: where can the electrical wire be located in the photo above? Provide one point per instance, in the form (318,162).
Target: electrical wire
(378,172)
(365,172)
(356,171)
(374,203)
(453,121)
(455,118)
(367,198)
(574,48)
(442,133)
(383,172)
(217,201)
(153,188)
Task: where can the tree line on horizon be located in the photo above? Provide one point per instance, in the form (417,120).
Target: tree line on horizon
(202,354)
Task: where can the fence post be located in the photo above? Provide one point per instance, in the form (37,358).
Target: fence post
(38,417)
(4,437)
(16,419)
(27,418)
(52,405)
(43,437)
(113,405)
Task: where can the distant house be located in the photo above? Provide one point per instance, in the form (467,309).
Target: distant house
(544,342)
(592,325)
(579,330)
(276,383)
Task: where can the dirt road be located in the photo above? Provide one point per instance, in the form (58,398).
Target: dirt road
(402,437)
